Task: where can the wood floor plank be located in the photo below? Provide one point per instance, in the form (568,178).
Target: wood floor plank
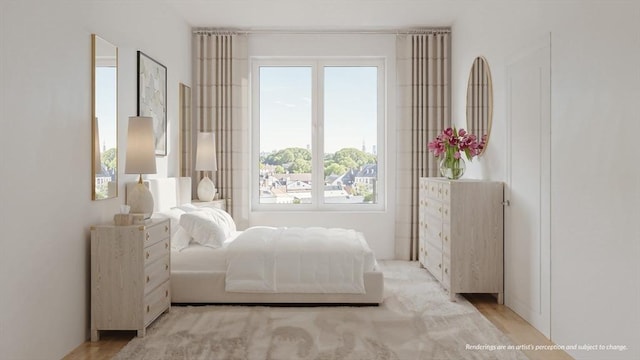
(515,328)
(110,343)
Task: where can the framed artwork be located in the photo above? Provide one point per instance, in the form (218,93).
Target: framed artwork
(152,98)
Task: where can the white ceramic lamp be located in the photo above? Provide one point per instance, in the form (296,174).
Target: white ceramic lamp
(140,159)
(206,161)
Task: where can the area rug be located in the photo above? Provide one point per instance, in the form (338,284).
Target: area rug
(415,321)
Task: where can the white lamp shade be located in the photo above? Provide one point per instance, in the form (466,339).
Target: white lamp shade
(206,152)
(141,149)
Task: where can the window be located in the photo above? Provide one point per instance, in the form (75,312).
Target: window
(318,134)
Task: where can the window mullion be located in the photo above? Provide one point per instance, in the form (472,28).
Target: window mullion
(318,128)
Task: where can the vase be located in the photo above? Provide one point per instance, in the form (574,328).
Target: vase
(452,168)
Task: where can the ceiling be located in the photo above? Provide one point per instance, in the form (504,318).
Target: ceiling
(318,14)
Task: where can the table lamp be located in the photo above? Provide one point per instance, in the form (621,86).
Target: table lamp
(206,161)
(140,159)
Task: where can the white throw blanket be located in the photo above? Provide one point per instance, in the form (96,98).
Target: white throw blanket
(297,260)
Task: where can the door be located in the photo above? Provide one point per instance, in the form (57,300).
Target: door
(527,214)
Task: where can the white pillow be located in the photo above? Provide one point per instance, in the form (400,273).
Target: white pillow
(222,219)
(174,216)
(200,225)
(180,240)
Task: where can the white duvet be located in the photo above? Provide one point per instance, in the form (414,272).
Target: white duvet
(298,260)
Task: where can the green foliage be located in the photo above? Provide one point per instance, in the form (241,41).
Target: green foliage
(344,159)
(287,156)
(109,159)
(300,166)
(350,157)
(333,168)
(298,160)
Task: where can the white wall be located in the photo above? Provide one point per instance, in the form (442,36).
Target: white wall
(377,226)
(595,196)
(45,142)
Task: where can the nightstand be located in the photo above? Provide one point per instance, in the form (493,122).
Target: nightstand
(130,267)
(216,203)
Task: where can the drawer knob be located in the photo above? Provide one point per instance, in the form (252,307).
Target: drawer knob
(166,228)
(148,308)
(439,266)
(147,254)
(446,238)
(439,209)
(166,245)
(166,293)
(166,266)
(440,235)
(446,271)
(148,279)
(147,236)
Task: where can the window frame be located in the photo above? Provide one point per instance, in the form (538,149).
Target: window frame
(317,65)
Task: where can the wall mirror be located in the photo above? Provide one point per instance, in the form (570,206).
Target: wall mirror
(104,121)
(480,100)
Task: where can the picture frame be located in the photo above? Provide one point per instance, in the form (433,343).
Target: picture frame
(152,98)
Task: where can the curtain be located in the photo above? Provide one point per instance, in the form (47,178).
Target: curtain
(219,75)
(424,110)
(186,124)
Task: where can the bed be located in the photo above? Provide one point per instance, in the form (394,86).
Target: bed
(238,271)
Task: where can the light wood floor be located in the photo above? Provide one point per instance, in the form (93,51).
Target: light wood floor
(512,325)
(516,328)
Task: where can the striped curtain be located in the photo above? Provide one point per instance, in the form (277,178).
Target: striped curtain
(186,124)
(219,65)
(424,100)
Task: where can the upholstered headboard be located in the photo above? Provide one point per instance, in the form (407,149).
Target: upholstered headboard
(168,192)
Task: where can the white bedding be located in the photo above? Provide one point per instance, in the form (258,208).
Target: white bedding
(197,258)
(298,260)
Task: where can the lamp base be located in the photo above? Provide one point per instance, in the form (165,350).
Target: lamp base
(206,189)
(141,200)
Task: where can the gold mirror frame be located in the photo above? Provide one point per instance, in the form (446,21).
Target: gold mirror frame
(104,119)
(480,100)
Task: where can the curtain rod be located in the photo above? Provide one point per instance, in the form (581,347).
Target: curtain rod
(411,31)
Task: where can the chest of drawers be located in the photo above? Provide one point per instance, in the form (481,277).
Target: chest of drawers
(461,234)
(130,267)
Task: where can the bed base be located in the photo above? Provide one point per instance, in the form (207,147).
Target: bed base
(208,288)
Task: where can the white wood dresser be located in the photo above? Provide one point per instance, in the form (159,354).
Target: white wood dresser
(461,234)
(130,267)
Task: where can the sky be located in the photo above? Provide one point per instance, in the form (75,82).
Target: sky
(350,107)
(105,105)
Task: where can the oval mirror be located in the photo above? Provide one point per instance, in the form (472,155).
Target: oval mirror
(104,121)
(480,100)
